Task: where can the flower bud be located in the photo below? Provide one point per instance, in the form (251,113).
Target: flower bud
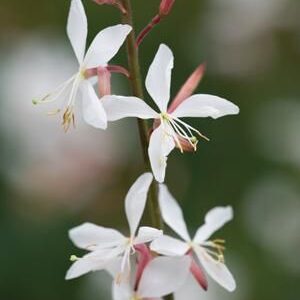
(165,7)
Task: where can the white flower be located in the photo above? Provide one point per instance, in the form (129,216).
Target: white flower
(108,244)
(209,253)
(171,130)
(103,48)
(161,276)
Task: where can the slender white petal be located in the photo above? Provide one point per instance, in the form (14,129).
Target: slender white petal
(77,29)
(93,261)
(105,45)
(214,220)
(163,275)
(172,213)
(217,270)
(158,80)
(89,236)
(136,200)
(147,234)
(119,107)
(160,145)
(93,111)
(205,106)
(167,245)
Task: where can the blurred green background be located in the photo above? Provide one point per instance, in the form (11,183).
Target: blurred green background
(51,181)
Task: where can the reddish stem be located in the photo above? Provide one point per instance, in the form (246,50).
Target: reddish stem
(147,29)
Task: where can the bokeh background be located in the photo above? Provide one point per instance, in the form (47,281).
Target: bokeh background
(51,181)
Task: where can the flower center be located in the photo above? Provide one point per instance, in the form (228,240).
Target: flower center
(181,132)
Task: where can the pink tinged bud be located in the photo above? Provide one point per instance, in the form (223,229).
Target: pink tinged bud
(198,274)
(188,87)
(104,85)
(165,7)
(144,257)
(147,29)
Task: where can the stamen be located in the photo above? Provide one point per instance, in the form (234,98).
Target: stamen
(59,90)
(219,247)
(74,258)
(166,121)
(191,128)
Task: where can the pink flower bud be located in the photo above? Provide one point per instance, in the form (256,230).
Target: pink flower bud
(144,258)
(198,274)
(188,87)
(165,7)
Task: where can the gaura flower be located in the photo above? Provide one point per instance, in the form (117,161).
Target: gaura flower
(106,244)
(161,276)
(103,48)
(208,252)
(170,130)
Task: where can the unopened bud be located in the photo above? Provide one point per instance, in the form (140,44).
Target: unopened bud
(165,7)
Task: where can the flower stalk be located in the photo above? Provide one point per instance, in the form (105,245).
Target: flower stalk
(137,90)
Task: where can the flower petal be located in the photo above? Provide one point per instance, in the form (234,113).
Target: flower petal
(90,236)
(203,106)
(135,200)
(214,220)
(158,278)
(172,213)
(119,107)
(167,245)
(77,29)
(93,111)
(160,145)
(90,262)
(122,291)
(105,45)
(158,80)
(147,234)
(217,270)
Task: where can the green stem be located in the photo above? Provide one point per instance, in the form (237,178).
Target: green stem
(137,90)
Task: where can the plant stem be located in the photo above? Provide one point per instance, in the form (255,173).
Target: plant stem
(137,90)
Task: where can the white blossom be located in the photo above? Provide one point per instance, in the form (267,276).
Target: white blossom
(170,131)
(161,276)
(103,48)
(106,244)
(208,252)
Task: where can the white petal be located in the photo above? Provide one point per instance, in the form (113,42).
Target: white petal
(122,291)
(91,262)
(217,270)
(214,220)
(163,275)
(136,200)
(167,245)
(160,146)
(158,80)
(147,234)
(172,213)
(93,111)
(77,29)
(205,106)
(105,45)
(119,107)
(88,236)
(190,290)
